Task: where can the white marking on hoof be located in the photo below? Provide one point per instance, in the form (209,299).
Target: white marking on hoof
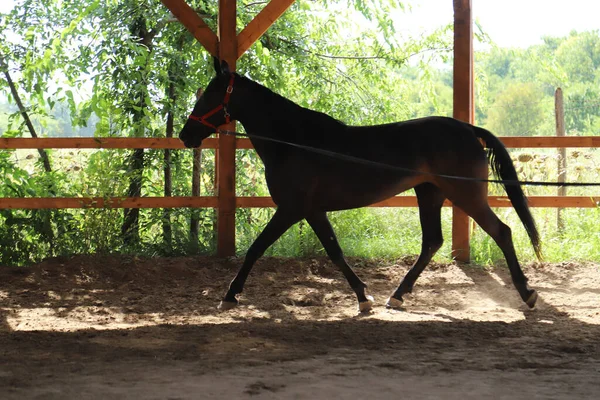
(226,305)
(366,306)
(394,303)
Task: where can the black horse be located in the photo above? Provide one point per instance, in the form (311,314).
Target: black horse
(306,184)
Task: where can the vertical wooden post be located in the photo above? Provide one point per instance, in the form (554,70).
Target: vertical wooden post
(463,109)
(226,153)
(562,153)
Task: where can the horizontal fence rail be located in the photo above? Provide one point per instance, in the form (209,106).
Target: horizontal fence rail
(249,202)
(243,143)
(34,203)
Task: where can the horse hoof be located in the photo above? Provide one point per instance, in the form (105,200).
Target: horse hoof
(532,299)
(226,305)
(366,306)
(394,303)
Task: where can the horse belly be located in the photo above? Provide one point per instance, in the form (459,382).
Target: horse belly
(336,194)
(322,184)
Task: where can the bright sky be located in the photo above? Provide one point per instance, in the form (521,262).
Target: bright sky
(515,23)
(510,23)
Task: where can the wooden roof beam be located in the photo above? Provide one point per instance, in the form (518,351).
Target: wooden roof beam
(259,25)
(193,23)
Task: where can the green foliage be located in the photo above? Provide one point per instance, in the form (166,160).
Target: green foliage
(519,85)
(516,111)
(583,110)
(579,55)
(120,67)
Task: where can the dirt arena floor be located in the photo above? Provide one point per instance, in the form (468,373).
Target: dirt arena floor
(108,327)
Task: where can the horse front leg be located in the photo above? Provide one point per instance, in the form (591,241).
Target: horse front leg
(279,223)
(322,227)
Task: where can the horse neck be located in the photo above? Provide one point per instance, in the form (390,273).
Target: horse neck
(253,106)
(265,113)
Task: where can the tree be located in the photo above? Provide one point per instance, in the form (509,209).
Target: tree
(579,55)
(517,111)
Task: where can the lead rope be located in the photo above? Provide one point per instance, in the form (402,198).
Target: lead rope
(362,161)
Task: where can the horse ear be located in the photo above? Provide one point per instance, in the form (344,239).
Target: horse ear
(217,65)
(225,67)
(199,93)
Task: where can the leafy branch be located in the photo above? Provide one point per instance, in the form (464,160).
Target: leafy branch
(23,111)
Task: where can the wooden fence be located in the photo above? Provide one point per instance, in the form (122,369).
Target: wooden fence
(245,202)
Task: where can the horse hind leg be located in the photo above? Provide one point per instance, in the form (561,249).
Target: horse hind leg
(478,208)
(324,231)
(502,235)
(430,199)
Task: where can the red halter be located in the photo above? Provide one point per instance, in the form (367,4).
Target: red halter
(222,106)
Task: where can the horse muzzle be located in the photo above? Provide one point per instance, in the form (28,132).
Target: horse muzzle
(190,138)
(191,142)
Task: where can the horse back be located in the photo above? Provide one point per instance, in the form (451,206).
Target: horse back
(383,160)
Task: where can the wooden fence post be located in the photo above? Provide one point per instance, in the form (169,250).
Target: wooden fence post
(463,109)
(559,112)
(226,153)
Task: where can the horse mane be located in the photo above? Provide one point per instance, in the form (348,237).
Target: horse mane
(303,117)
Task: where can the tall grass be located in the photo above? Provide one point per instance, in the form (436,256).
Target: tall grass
(396,232)
(364,232)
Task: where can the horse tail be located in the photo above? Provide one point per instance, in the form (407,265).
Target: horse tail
(504,169)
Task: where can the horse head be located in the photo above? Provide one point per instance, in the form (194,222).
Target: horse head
(211,109)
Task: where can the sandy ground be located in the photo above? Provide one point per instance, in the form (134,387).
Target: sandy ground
(108,327)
